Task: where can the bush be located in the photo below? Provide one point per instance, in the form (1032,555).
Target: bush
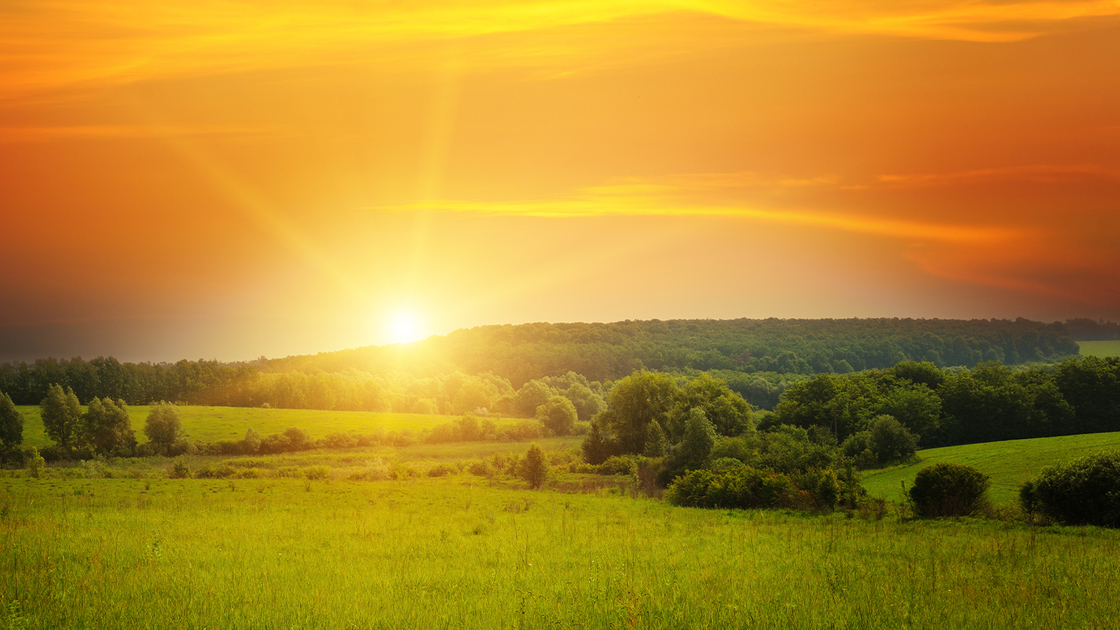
(180,470)
(442,470)
(1085,491)
(35,463)
(948,490)
(534,467)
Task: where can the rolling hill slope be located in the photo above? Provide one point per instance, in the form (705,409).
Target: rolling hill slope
(1009,463)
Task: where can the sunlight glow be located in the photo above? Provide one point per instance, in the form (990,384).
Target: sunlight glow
(404,327)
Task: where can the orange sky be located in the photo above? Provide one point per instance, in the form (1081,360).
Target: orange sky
(228,179)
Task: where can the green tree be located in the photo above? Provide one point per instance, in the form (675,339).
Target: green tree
(534,467)
(163,425)
(728,412)
(252,442)
(890,441)
(108,426)
(11,425)
(699,438)
(656,442)
(633,404)
(62,417)
(558,415)
(946,489)
(531,395)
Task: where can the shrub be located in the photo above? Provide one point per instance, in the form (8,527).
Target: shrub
(35,463)
(442,470)
(482,468)
(1085,491)
(180,470)
(534,467)
(948,490)
(317,472)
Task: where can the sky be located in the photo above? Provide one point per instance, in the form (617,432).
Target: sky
(228,180)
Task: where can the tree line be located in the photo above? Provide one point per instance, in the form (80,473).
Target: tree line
(944,407)
(481,367)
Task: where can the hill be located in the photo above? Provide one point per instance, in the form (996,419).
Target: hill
(1009,463)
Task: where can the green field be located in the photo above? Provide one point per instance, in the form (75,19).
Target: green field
(1009,463)
(211,424)
(1100,348)
(455,553)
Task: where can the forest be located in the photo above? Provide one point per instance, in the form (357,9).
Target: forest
(760,359)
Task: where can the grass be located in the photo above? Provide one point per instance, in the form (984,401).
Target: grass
(1100,348)
(211,424)
(1009,463)
(455,553)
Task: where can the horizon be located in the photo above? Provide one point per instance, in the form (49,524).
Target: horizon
(31,360)
(229,181)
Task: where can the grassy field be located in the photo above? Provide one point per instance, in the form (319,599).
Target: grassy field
(211,424)
(1009,463)
(455,553)
(1100,348)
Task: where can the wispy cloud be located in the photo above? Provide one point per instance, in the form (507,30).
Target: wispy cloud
(64,43)
(70,132)
(656,198)
(1047,173)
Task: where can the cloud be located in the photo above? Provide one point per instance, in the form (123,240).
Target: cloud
(1041,173)
(70,44)
(671,197)
(67,132)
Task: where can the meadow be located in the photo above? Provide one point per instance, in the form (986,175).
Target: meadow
(1008,463)
(455,552)
(212,424)
(1100,348)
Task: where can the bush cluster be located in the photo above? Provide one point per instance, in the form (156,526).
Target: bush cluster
(1085,491)
(946,489)
(744,487)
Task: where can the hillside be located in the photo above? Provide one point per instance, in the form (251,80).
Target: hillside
(1009,463)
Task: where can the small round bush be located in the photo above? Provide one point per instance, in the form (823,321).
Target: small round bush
(1085,491)
(948,490)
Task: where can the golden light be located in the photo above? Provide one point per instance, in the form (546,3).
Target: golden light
(404,327)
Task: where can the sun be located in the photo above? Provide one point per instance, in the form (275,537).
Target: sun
(404,327)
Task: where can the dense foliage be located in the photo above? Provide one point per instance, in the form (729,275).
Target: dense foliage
(946,489)
(1085,491)
(957,406)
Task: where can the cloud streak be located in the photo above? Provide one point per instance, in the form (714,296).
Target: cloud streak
(68,44)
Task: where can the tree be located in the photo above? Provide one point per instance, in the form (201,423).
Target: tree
(252,442)
(699,438)
(163,425)
(558,415)
(890,441)
(531,395)
(946,489)
(586,401)
(534,468)
(62,417)
(635,402)
(656,442)
(11,425)
(728,412)
(108,425)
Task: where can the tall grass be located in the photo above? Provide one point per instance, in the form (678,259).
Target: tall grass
(455,553)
